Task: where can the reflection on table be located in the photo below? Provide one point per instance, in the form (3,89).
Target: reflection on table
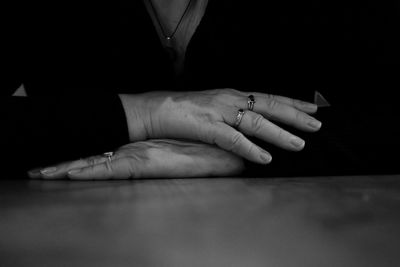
(319,221)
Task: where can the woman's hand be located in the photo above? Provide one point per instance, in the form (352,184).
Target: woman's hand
(209,116)
(149,159)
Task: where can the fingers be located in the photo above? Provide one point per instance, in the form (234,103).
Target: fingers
(303,106)
(254,124)
(306,107)
(278,108)
(60,171)
(284,110)
(34,173)
(230,139)
(115,169)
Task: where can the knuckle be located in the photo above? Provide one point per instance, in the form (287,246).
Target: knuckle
(91,161)
(257,122)
(236,140)
(281,134)
(272,103)
(269,96)
(251,150)
(217,91)
(217,99)
(236,92)
(229,91)
(294,102)
(299,117)
(222,94)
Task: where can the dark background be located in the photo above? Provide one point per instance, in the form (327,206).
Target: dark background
(347,50)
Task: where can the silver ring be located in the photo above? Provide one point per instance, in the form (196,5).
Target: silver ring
(239,117)
(108,155)
(250,102)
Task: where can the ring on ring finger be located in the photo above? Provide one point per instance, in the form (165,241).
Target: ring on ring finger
(239,117)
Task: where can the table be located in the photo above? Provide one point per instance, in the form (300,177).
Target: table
(304,221)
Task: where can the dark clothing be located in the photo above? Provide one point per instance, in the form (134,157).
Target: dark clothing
(74,57)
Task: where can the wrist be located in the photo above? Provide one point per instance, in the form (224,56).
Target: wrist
(135,116)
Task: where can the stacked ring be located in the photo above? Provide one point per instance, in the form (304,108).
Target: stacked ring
(108,155)
(239,117)
(250,102)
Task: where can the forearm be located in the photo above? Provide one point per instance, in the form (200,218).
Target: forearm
(135,115)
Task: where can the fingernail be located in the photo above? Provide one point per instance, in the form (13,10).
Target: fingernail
(315,124)
(310,106)
(266,158)
(48,170)
(297,142)
(34,171)
(34,174)
(75,171)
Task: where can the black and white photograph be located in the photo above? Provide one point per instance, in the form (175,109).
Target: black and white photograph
(200,133)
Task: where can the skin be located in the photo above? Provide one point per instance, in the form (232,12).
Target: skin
(149,159)
(207,117)
(169,13)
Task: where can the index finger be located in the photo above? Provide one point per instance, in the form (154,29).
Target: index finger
(271,107)
(296,103)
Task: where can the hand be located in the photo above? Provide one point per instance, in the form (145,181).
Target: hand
(149,159)
(209,116)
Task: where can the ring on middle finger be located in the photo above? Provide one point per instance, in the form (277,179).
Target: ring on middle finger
(250,102)
(108,155)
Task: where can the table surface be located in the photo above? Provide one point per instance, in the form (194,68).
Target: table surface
(314,221)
